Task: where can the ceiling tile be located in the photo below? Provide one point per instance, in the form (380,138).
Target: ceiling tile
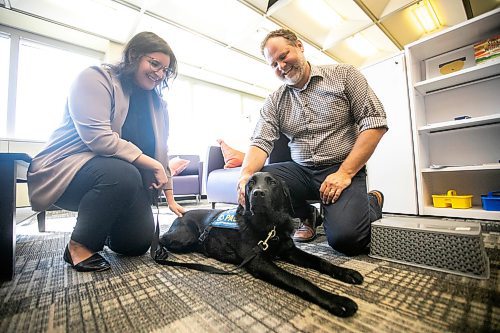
(376,7)
(403,26)
(316,56)
(343,31)
(348,9)
(261,5)
(249,40)
(393,6)
(223,20)
(296,16)
(482,6)
(293,17)
(222,37)
(382,44)
(450,13)
(109,19)
(247,27)
(195,51)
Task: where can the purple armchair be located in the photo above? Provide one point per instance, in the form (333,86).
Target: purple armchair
(221,183)
(189,181)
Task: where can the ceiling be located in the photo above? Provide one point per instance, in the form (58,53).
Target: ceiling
(219,40)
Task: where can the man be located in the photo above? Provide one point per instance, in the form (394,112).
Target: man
(334,122)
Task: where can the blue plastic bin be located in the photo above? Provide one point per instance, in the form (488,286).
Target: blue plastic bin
(491,201)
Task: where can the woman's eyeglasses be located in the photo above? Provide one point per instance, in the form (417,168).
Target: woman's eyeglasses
(156,66)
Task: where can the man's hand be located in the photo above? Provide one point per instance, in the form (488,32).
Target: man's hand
(242,182)
(332,187)
(254,161)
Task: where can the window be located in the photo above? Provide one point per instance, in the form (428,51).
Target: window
(4,81)
(45,74)
(180,116)
(218,112)
(251,106)
(44,70)
(200,113)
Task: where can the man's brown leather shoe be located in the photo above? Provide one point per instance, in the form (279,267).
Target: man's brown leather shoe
(305,233)
(307,229)
(379,196)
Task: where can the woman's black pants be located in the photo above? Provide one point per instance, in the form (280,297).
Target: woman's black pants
(113,207)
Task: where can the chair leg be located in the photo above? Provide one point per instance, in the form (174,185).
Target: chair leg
(41,221)
(198,199)
(213,205)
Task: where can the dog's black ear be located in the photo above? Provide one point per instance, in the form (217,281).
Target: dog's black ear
(287,204)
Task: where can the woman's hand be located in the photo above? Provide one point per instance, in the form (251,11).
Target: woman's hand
(160,177)
(173,205)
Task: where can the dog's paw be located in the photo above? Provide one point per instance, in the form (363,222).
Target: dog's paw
(342,306)
(350,276)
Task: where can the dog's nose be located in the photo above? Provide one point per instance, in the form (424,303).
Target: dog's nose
(259,193)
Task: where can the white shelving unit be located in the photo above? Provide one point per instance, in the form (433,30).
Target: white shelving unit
(468,149)
(470,75)
(456,124)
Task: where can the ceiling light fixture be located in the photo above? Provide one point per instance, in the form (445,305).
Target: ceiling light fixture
(426,16)
(361,45)
(320,12)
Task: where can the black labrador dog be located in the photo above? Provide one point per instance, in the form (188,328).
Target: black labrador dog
(263,234)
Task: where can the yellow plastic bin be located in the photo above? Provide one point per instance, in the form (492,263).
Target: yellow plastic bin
(451,199)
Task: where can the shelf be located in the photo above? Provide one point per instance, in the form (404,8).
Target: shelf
(476,212)
(452,38)
(492,166)
(436,101)
(479,72)
(454,124)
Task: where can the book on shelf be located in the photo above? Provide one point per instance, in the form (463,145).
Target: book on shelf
(487,49)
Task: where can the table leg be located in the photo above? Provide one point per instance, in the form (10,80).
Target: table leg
(7,219)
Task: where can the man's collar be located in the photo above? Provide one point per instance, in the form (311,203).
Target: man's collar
(313,72)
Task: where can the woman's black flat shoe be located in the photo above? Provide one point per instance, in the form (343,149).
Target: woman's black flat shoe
(95,263)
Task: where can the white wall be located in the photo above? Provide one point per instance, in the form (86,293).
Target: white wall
(391,168)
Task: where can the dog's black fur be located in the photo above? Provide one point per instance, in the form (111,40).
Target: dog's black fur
(267,204)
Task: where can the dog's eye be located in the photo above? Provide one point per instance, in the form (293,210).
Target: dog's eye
(273,182)
(251,182)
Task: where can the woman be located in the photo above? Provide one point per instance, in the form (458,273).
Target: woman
(110,156)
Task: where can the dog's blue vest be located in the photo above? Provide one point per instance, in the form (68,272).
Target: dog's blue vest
(226,219)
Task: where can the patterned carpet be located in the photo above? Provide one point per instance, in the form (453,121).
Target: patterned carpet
(137,295)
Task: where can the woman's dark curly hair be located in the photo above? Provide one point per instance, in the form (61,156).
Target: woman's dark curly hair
(140,45)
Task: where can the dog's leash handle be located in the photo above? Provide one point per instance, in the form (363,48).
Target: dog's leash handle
(157,251)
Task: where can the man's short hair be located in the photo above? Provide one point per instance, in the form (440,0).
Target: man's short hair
(285,33)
